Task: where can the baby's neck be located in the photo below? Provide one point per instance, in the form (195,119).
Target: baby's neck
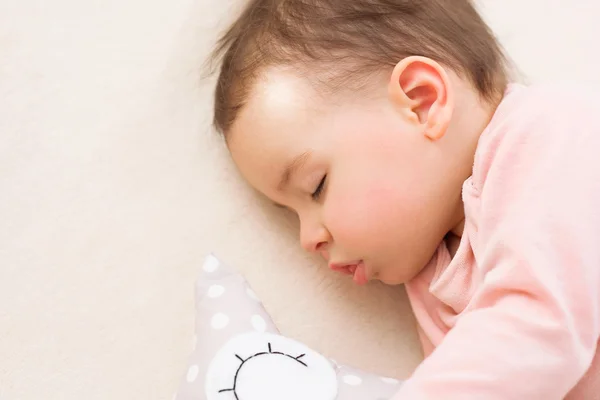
(471,117)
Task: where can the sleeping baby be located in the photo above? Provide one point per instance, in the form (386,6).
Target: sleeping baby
(392,129)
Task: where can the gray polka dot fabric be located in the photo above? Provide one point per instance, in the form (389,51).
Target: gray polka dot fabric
(227,311)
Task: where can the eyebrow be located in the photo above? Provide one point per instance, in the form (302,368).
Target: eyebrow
(292,168)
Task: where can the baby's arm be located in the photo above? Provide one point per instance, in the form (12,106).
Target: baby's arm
(535,326)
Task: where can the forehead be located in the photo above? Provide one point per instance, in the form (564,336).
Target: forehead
(277,123)
(278,96)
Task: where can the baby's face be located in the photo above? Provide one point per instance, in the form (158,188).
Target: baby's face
(368,187)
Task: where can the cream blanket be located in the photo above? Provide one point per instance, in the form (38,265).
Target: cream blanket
(113,188)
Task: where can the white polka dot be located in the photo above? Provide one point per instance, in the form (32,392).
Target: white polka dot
(211,264)
(352,380)
(251,294)
(215,291)
(258,323)
(192,373)
(219,321)
(391,381)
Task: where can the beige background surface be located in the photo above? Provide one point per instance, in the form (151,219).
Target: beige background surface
(113,188)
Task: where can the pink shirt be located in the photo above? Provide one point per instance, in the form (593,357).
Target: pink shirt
(515,314)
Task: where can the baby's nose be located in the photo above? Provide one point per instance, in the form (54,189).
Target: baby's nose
(314,239)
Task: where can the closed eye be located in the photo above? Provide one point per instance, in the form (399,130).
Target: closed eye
(319,190)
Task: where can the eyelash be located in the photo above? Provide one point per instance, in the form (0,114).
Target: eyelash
(317,193)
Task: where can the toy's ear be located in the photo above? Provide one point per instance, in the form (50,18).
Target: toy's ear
(226,306)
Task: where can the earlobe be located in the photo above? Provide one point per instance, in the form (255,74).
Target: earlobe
(420,88)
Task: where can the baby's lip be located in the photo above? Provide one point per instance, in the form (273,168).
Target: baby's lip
(354,268)
(345,264)
(344,268)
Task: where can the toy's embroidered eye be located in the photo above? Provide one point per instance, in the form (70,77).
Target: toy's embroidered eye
(245,362)
(265,366)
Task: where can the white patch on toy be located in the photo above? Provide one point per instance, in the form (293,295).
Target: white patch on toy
(215,291)
(352,380)
(264,366)
(219,321)
(192,373)
(258,323)
(211,264)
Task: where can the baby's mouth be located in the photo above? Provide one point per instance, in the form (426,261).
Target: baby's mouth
(344,269)
(355,269)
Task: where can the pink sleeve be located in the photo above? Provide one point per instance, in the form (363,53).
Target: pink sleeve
(533,331)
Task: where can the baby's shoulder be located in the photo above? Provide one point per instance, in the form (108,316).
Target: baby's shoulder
(544,114)
(539,123)
(546,102)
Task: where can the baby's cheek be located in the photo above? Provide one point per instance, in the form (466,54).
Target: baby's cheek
(364,216)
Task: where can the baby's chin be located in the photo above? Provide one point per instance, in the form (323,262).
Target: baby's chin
(392,282)
(395,276)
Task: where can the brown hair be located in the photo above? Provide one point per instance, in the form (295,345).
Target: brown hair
(346,41)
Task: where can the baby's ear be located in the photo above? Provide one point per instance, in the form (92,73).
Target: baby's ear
(421,88)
